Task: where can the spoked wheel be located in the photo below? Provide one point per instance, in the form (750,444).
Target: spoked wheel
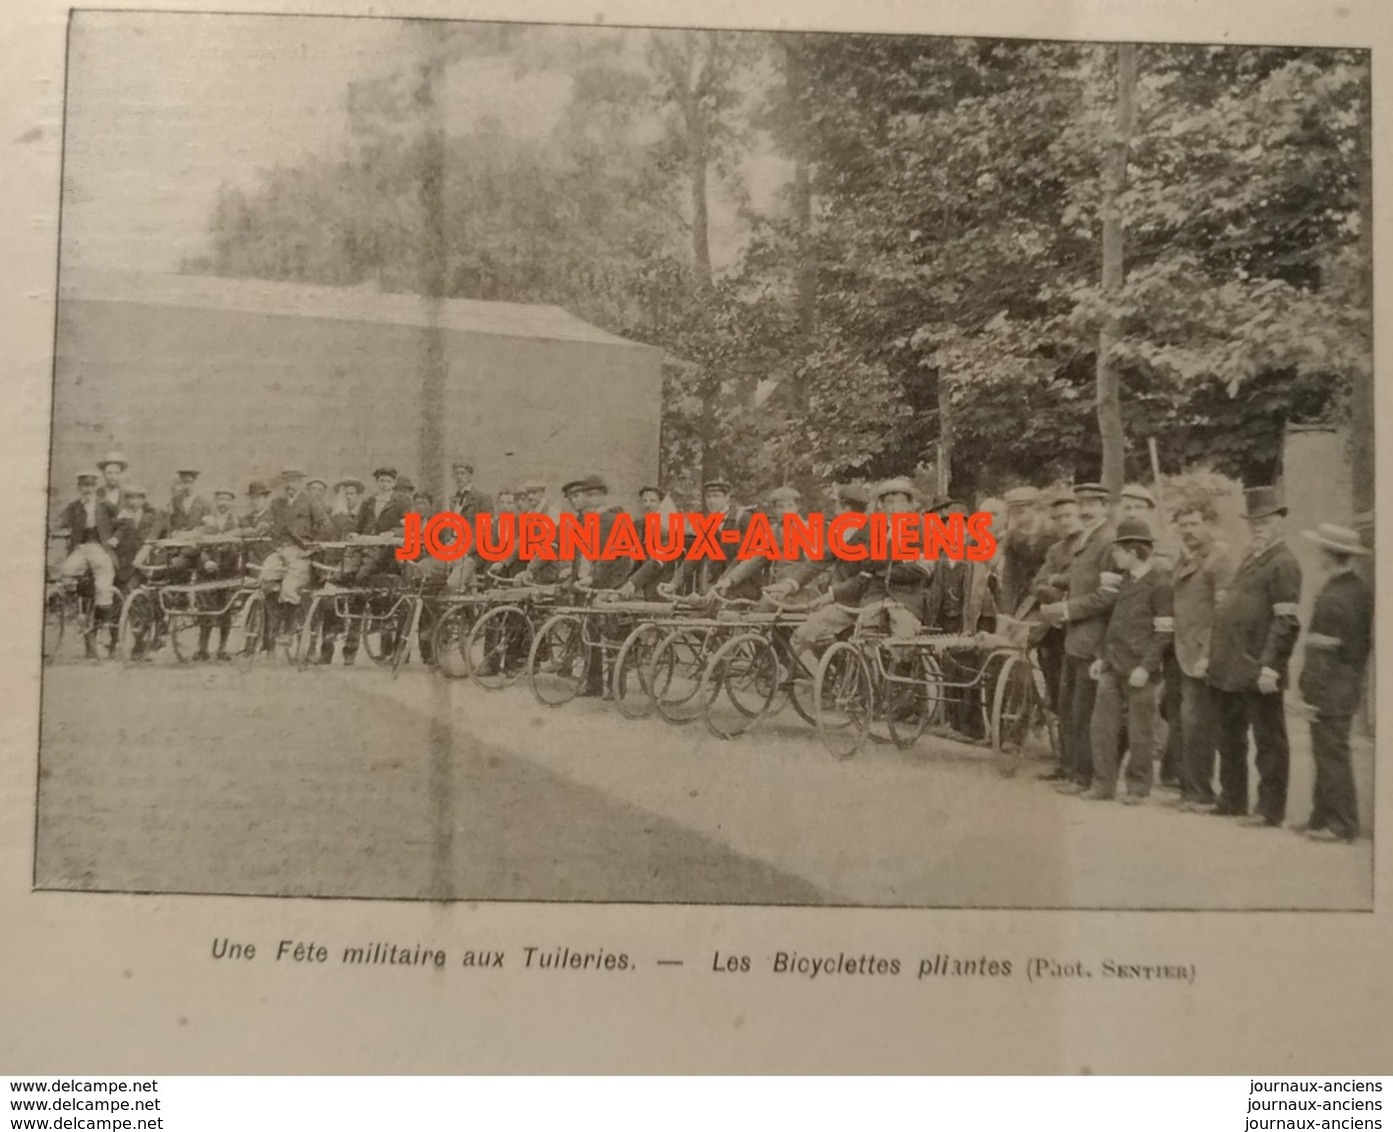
(313,629)
(843,699)
(385,627)
(447,641)
(412,635)
(911,697)
(55,620)
(249,632)
(497,647)
(1013,712)
(631,685)
(137,632)
(741,685)
(679,663)
(184,633)
(559,661)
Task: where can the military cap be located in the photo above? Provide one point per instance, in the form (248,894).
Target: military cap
(1134,530)
(1062,496)
(1090,491)
(384,471)
(572,486)
(716,483)
(291,475)
(316,480)
(594,483)
(857,493)
(1139,491)
(898,485)
(349,481)
(227,491)
(785,494)
(1342,540)
(466,464)
(1263,501)
(1021,496)
(113,457)
(258,487)
(86,478)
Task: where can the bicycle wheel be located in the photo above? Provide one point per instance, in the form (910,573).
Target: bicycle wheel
(448,637)
(412,634)
(183,629)
(137,629)
(312,630)
(631,685)
(558,661)
(497,647)
(249,631)
(679,663)
(1013,711)
(843,699)
(910,699)
(55,621)
(385,629)
(741,683)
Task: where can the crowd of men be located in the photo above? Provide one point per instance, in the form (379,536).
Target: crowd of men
(1127,632)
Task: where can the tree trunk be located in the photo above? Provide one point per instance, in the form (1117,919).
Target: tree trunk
(944,457)
(1109,399)
(433,271)
(806,277)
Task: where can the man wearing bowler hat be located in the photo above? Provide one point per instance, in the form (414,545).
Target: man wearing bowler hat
(1128,667)
(1255,630)
(1338,640)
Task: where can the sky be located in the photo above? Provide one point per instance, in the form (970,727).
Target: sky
(163,108)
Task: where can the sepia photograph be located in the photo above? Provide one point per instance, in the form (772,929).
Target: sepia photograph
(318,275)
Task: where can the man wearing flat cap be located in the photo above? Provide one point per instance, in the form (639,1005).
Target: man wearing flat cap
(297,521)
(466,499)
(1338,641)
(702,575)
(1255,631)
(1091,589)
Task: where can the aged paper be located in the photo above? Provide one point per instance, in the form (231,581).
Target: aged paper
(505,249)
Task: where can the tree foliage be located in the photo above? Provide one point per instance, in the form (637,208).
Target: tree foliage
(938,235)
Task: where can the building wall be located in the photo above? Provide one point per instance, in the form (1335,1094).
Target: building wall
(242,396)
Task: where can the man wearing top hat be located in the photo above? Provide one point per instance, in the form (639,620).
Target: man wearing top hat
(1091,588)
(1255,630)
(1338,641)
(186,509)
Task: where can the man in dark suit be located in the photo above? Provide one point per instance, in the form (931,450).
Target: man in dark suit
(380,514)
(186,509)
(1255,631)
(136,525)
(1091,586)
(700,576)
(89,521)
(1338,641)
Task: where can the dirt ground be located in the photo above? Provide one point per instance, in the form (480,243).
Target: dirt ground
(345,782)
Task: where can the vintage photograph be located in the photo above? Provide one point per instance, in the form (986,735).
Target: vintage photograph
(318,274)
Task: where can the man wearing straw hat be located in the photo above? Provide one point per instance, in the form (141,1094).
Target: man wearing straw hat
(1338,640)
(1255,631)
